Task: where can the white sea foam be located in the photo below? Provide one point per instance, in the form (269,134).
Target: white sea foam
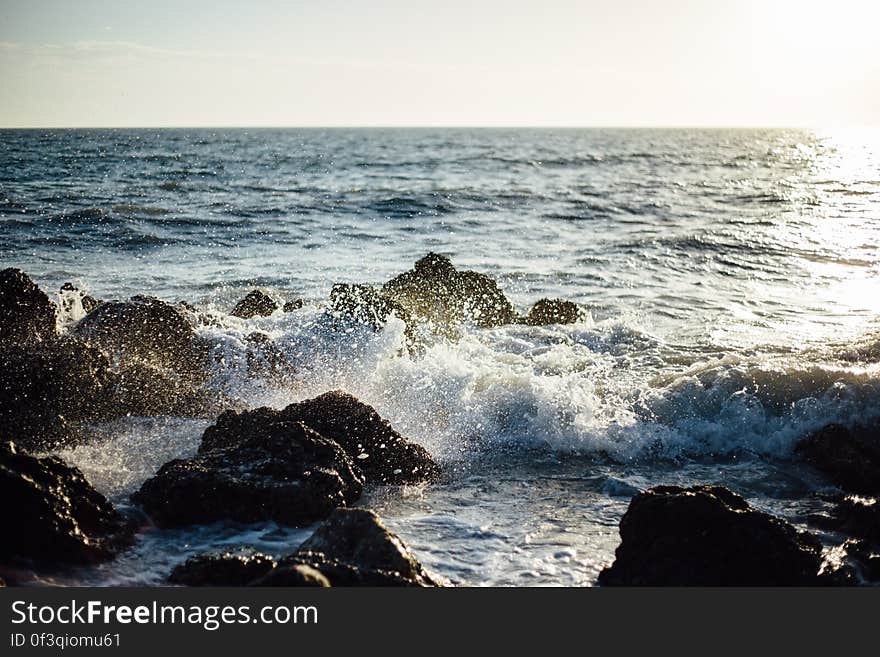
(603,388)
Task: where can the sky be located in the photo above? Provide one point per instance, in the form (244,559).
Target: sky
(445,63)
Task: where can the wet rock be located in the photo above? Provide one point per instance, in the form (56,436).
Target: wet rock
(380,452)
(351,548)
(148,329)
(554,311)
(142,389)
(255,304)
(292,305)
(282,471)
(47,389)
(231,568)
(293,575)
(52,515)
(858,517)
(368,306)
(436,292)
(354,548)
(849,456)
(710,536)
(27,315)
(266,359)
(359,538)
(864,558)
(364,304)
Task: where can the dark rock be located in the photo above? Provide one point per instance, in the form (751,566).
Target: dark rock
(47,388)
(359,538)
(142,389)
(293,575)
(255,304)
(52,515)
(858,517)
(710,536)
(380,452)
(368,306)
(554,311)
(436,292)
(864,558)
(27,315)
(351,548)
(354,548)
(365,304)
(231,568)
(148,329)
(282,471)
(266,359)
(290,306)
(849,456)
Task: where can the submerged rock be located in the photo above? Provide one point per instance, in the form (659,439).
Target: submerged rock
(554,311)
(231,568)
(710,536)
(436,292)
(47,389)
(27,315)
(849,456)
(148,329)
(52,515)
(292,305)
(255,304)
(380,452)
(282,471)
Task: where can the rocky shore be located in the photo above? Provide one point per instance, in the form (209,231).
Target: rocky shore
(310,461)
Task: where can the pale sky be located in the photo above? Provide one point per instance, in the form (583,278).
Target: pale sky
(450,62)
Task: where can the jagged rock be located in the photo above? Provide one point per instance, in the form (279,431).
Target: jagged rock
(710,536)
(849,456)
(255,304)
(231,568)
(353,547)
(47,388)
(436,292)
(27,315)
(292,305)
(148,329)
(52,515)
(282,471)
(380,452)
(554,311)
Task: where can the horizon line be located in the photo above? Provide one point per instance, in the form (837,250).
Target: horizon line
(414,126)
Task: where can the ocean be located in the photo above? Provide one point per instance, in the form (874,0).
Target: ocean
(730,278)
